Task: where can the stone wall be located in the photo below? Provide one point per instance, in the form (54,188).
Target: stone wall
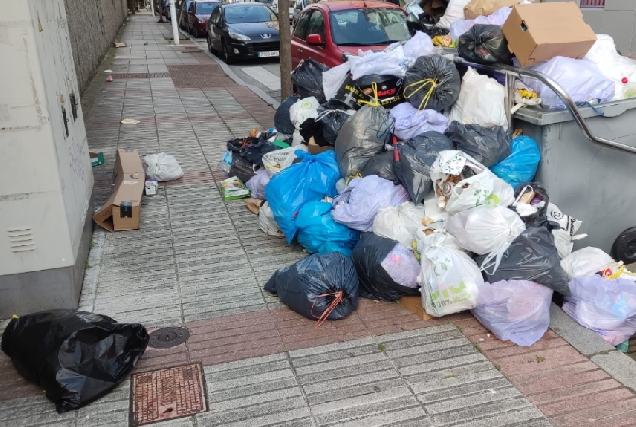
(92,26)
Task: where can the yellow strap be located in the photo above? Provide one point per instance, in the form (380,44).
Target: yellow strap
(419,85)
(375,102)
(350,177)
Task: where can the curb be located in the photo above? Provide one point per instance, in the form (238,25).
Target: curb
(239,81)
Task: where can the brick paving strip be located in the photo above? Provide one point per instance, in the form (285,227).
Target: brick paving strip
(200,263)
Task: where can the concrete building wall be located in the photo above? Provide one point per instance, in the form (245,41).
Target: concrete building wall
(92,26)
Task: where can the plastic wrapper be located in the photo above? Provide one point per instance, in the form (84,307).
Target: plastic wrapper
(162,167)
(432,82)
(419,45)
(399,222)
(586,262)
(319,233)
(608,307)
(257,184)
(282,120)
(409,122)
(531,203)
(307,77)
(387,270)
(522,163)
(450,280)
(531,256)
(488,146)
(318,285)
(415,159)
(515,310)
(484,44)
(381,165)
(310,180)
(276,161)
(481,102)
(361,137)
(75,356)
(357,206)
(267,223)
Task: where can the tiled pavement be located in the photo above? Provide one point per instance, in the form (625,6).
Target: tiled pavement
(201,263)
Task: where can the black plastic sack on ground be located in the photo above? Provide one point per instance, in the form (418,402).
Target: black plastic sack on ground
(251,149)
(537,219)
(375,282)
(427,25)
(311,285)
(488,146)
(345,94)
(241,168)
(307,77)
(484,44)
(76,356)
(531,256)
(282,122)
(432,82)
(417,155)
(361,137)
(332,121)
(389,90)
(313,128)
(381,165)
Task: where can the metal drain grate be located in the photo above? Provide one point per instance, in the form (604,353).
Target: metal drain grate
(168,337)
(138,75)
(166,394)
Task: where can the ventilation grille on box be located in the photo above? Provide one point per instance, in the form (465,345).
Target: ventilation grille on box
(21,239)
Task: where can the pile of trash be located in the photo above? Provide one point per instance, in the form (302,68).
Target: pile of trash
(399,174)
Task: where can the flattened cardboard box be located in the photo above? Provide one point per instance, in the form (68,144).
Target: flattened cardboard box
(538,32)
(121,210)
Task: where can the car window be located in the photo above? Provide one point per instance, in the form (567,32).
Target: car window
(303,25)
(205,8)
(249,13)
(368,27)
(317,24)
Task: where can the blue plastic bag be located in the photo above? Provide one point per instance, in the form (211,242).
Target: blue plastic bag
(319,233)
(521,165)
(310,180)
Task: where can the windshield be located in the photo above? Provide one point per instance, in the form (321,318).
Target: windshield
(206,8)
(368,27)
(248,14)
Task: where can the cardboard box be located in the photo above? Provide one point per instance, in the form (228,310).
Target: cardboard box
(538,32)
(121,210)
(234,189)
(414,305)
(314,148)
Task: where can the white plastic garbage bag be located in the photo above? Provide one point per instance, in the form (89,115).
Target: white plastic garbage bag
(334,78)
(267,223)
(357,206)
(399,222)
(608,307)
(257,184)
(302,110)
(515,310)
(409,122)
(454,12)
(481,101)
(437,234)
(433,212)
(277,160)
(419,45)
(499,17)
(402,266)
(483,188)
(450,280)
(585,262)
(580,78)
(612,64)
(162,167)
(387,62)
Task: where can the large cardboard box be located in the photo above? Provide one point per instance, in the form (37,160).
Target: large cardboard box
(121,210)
(538,32)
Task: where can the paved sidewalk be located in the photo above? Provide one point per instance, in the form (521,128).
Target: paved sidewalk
(200,263)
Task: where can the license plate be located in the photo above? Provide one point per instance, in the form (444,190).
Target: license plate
(268,54)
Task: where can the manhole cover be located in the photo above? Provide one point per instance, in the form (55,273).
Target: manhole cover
(166,394)
(168,337)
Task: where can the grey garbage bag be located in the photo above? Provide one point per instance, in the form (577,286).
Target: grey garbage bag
(488,146)
(531,256)
(307,77)
(381,165)
(361,137)
(282,121)
(413,167)
(432,82)
(320,285)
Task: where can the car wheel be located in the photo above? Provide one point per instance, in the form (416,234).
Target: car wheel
(624,247)
(226,55)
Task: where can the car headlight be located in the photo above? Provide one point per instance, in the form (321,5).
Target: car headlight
(238,36)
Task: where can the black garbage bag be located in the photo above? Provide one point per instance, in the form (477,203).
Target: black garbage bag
(388,90)
(427,25)
(361,137)
(531,256)
(241,168)
(313,128)
(416,156)
(484,44)
(313,284)
(282,122)
(375,282)
(346,94)
(381,165)
(537,219)
(432,82)
(76,356)
(252,149)
(307,77)
(488,146)
(332,120)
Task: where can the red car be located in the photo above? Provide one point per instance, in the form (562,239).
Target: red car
(329,29)
(198,14)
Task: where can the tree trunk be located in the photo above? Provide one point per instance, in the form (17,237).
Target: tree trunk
(285,49)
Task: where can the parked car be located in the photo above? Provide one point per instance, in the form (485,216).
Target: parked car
(199,13)
(291,9)
(183,17)
(299,6)
(326,31)
(244,30)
